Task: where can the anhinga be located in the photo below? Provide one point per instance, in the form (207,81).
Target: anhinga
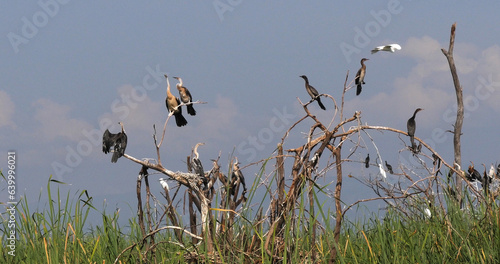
(237,175)
(360,76)
(391,47)
(313,92)
(185,96)
(196,163)
(389,167)
(117,141)
(172,103)
(473,174)
(367,161)
(412,126)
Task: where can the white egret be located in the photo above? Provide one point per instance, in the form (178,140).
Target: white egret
(390,47)
(164,184)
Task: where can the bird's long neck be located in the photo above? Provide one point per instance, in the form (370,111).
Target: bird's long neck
(123,129)
(168,88)
(180,83)
(414,114)
(195,151)
(307,81)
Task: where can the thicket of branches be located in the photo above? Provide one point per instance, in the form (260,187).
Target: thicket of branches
(214,211)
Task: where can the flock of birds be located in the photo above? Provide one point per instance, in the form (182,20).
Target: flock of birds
(117,143)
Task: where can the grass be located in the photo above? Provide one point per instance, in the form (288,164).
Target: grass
(59,233)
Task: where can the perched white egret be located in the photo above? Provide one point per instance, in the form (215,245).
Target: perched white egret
(491,173)
(427,213)
(164,184)
(390,47)
(382,171)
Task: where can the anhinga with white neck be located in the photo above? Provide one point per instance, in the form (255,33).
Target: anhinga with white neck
(412,126)
(236,177)
(313,92)
(360,76)
(172,103)
(185,96)
(196,163)
(117,141)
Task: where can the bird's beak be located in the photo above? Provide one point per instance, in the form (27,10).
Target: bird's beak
(176,77)
(165,76)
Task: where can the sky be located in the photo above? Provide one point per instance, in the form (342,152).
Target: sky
(72,69)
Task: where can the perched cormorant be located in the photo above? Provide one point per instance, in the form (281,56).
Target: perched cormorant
(390,47)
(172,102)
(473,174)
(412,126)
(367,161)
(389,167)
(360,76)
(313,92)
(117,141)
(185,96)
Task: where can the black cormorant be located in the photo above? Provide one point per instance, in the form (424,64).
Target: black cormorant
(360,76)
(389,167)
(367,161)
(117,141)
(412,126)
(172,102)
(313,92)
(185,96)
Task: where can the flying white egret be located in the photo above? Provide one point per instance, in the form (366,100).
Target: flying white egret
(390,47)
(164,184)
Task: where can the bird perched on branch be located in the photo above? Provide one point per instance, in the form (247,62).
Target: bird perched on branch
(313,92)
(389,167)
(367,160)
(117,141)
(237,176)
(164,184)
(196,164)
(412,126)
(172,104)
(391,47)
(473,174)
(360,76)
(185,96)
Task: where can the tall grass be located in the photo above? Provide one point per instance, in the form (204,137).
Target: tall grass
(59,233)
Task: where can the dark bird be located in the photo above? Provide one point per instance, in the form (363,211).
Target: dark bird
(172,102)
(313,92)
(389,167)
(412,126)
(473,174)
(185,96)
(236,177)
(196,164)
(367,161)
(117,141)
(360,76)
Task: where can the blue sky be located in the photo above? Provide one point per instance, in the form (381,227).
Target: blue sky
(68,67)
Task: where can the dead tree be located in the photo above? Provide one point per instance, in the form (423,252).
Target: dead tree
(457,128)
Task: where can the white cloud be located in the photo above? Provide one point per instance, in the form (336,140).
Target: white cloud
(7,108)
(55,121)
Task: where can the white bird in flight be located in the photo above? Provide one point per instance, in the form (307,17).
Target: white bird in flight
(390,47)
